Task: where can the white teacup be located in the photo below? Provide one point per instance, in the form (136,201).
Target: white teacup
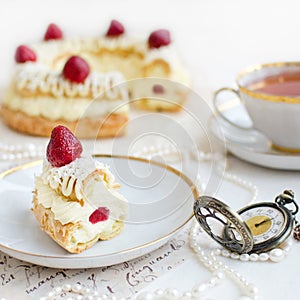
(271,95)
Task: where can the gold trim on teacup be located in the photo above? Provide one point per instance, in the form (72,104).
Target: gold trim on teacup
(285,149)
(264,96)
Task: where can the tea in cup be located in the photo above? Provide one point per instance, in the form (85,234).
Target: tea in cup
(270,94)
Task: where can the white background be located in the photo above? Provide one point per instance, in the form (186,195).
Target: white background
(216,38)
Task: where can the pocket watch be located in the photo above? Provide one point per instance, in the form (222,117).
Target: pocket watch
(255,228)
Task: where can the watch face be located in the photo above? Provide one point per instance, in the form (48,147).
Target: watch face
(269,224)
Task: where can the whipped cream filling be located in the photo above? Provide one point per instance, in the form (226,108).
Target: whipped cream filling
(35,78)
(97,191)
(51,52)
(169,92)
(74,175)
(72,212)
(166,53)
(121,42)
(64,108)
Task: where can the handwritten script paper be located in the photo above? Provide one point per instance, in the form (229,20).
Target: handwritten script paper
(21,280)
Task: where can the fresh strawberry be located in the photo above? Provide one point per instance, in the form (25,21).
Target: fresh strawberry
(53,32)
(24,54)
(99,215)
(159,38)
(63,147)
(76,69)
(115,29)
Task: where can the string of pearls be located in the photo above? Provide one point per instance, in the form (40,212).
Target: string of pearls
(20,151)
(79,293)
(275,255)
(208,258)
(167,151)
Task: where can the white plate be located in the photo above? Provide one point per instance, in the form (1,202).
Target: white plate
(252,146)
(160,203)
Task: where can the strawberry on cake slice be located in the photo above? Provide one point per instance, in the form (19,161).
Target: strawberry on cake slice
(76,199)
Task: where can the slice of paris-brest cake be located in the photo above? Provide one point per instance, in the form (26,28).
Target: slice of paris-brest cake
(76,199)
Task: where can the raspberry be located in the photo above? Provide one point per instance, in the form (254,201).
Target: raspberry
(63,147)
(76,69)
(159,38)
(115,29)
(24,54)
(53,32)
(99,215)
(158,89)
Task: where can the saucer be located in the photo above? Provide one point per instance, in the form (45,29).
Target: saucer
(253,147)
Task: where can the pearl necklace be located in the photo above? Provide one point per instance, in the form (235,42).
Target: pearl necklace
(275,255)
(18,151)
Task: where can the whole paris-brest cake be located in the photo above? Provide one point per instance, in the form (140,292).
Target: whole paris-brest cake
(76,199)
(64,81)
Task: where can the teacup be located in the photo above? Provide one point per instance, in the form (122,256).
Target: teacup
(271,95)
